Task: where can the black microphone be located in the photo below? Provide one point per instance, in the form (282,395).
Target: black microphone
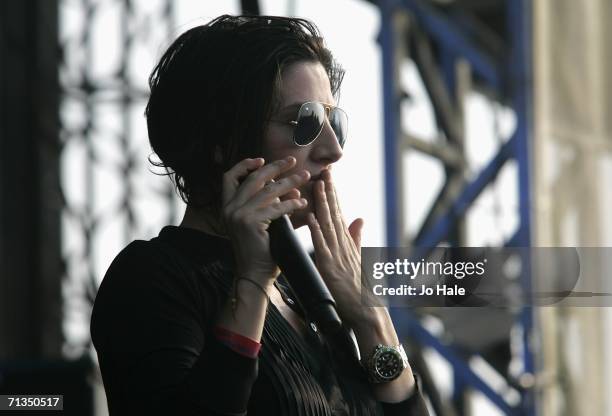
(302,275)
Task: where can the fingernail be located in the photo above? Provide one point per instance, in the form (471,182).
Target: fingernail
(305,174)
(289,159)
(303,201)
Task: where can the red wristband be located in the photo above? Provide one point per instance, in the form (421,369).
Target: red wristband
(239,343)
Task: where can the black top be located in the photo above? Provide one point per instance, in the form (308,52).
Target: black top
(151,326)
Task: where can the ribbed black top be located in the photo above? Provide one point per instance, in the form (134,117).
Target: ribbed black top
(151,326)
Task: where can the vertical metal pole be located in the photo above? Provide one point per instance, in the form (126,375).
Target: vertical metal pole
(521,79)
(391,122)
(170,19)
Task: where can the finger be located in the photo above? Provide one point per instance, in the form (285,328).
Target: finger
(334,208)
(256,180)
(355,230)
(292,194)
(278,208)
(323,216)
(318,240)
(231,178)
(275,189)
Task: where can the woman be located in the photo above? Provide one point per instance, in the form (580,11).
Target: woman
(243,115)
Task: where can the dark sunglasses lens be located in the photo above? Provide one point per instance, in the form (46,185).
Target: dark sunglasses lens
(310,121)
(339,123)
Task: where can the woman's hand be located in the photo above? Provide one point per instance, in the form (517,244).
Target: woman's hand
(337,250)
(251,200)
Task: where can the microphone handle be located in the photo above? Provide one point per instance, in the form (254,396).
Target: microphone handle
(303,276)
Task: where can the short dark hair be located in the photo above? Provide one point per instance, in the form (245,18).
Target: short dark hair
(217,85)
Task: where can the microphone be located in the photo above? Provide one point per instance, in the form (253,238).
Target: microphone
(303,276)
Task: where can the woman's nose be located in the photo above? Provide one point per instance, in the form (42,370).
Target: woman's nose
(327,147)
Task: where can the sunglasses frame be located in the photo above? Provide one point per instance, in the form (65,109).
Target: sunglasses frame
(328,108)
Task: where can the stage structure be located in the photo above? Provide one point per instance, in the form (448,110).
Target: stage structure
(489,47)
(108,195)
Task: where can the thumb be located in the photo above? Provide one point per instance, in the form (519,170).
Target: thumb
(355,231)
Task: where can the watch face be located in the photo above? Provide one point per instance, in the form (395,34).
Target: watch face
(388,364)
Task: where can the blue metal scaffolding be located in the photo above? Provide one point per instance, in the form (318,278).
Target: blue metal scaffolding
(510,78)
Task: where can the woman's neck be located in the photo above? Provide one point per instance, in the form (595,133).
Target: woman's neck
(200,221)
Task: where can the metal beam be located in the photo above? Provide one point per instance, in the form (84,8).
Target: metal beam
(441,228)
(437,89)
(438,149)
(410,327)
(392,35)
(250,7)
(446,32)
(521,79)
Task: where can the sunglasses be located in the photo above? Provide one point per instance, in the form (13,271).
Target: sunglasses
(311,118)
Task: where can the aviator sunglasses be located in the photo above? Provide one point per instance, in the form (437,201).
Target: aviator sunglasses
(311,118)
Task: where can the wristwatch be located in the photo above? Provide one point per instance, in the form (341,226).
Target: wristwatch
(386,363)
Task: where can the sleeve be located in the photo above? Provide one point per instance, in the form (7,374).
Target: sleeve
(414,405)
(155,357)
(347,365)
